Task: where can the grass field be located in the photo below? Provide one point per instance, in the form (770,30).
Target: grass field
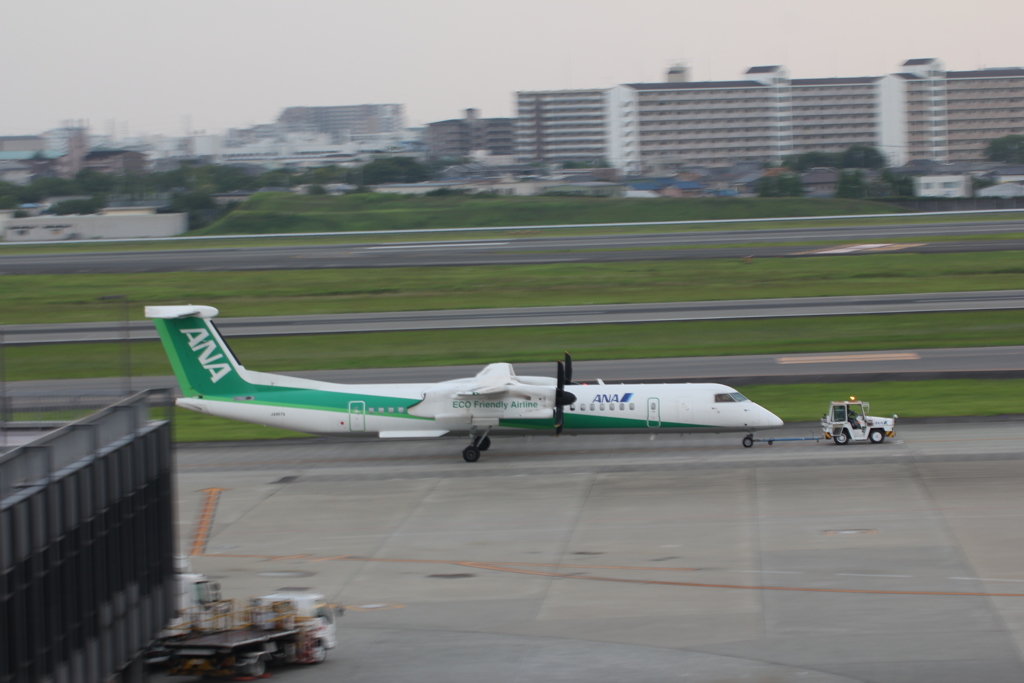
(284,213)
(591,342)
(76,298)
(792,402)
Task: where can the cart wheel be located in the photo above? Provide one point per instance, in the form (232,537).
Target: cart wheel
(256,667)
(318,653)
(877,436)
(748,441)
(841,438)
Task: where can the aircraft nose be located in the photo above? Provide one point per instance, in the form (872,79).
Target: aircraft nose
(771,419)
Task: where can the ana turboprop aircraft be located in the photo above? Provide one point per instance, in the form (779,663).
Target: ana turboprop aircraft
(495,401)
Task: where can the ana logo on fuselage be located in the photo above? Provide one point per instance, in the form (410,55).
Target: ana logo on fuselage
(612,398)
(200,341)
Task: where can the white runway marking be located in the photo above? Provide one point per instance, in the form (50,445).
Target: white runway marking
(464,245)
(847,358)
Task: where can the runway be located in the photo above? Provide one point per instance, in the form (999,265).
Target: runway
(624,558)
(540,316)
(681,245)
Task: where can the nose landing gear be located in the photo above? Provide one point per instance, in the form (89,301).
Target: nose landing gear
(471,453)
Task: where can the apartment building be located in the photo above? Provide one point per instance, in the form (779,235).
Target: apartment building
(561,125)
(925,110)
(344,123)
(980,106)
(657,126)
(921,112)
(831,114)
(952,115)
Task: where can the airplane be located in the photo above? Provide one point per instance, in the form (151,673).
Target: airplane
(495,401)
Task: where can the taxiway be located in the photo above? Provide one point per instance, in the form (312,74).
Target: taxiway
(610,559)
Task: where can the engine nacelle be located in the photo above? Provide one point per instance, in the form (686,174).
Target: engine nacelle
(454,410)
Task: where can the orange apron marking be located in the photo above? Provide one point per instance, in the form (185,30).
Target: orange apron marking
(202,531)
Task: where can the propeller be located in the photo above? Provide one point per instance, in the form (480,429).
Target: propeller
(563,397)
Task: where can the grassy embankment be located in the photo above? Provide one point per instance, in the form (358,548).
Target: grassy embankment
(75,298)
(282,213)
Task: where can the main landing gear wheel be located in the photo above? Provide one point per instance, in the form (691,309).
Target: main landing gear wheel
(471,454)
(841,438)
(748,441)
(877,436)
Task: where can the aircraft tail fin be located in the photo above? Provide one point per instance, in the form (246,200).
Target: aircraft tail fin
(202,361)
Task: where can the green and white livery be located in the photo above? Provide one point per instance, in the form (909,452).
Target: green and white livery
(495,401)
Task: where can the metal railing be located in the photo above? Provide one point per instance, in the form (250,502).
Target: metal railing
(36,462)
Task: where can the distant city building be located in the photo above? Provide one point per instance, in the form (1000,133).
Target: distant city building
(943,185)
(112,225)
(562,125)
(458,138)
(923,112)
(656,127)
(767,116)
(975,106)
(115,161)
(62,140)
(22,143)
(342,123)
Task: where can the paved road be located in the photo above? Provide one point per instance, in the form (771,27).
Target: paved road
(524,250)
(626,559)
(866,366)
(539,316)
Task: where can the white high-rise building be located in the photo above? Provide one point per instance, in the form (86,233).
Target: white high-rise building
(561,125)
(923,112)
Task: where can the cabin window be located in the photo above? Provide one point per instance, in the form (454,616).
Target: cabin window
(572,406)
(401,409)
(391,409)
(632,407)
(622,406)
(602,407)
(593,407)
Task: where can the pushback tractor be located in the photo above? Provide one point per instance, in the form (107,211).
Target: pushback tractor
(848,421)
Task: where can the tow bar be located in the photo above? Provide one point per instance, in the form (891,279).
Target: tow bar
(788,438)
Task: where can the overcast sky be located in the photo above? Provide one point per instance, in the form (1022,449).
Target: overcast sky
(155,66)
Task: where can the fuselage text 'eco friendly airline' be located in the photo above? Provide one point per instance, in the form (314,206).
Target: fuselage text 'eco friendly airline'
(495,401)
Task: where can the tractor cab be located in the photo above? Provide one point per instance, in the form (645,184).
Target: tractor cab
(848,421)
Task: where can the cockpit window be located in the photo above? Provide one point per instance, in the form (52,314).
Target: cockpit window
(734,397)
(738,397)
